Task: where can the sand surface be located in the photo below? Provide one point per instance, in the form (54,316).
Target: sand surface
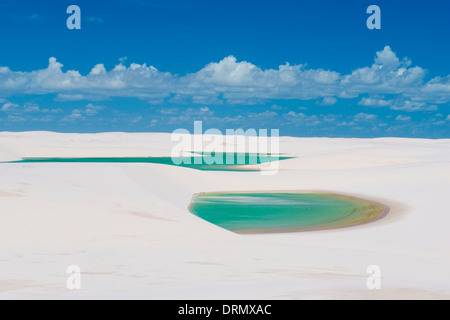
(128,228)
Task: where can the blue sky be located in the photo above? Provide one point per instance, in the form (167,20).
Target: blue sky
(310,68)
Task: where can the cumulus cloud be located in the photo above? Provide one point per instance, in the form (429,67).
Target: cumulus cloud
(374,102)
(81,114)
(135,80)
(92,110)
(436,90)
(98,69)
(365,117)
(301,119)
(242,82)
(14,108)
(9,106)
(327,101)
(412,106)
(387,75)
(238,82)
(403,118)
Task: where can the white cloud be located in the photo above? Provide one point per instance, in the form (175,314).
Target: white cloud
(206,110)
(74,116)
(327,101)
(98,69)
(436,90)
(91,110)
(243,82)
(14,118)
(28,112)
(302,119)
(403,118)
(374,102)
(412,106)
(388,59)
(136,120)
(9,106)
(137,80)
(399,103)
(233,82)
(365,117)
(14,108)
(31,107)
(386,75)
(81,114)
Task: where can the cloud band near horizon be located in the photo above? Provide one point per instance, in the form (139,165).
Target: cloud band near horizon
(233,82)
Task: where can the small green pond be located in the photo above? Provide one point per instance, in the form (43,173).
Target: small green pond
(284,211)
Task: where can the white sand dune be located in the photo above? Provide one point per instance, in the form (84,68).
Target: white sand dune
(128,228)
(7,155)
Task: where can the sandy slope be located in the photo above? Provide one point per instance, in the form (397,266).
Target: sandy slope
(128,228)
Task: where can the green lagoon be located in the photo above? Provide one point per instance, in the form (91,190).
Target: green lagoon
(199,161)
(284,212)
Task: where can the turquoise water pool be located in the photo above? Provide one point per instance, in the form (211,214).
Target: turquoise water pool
(206,162)
(284,211)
